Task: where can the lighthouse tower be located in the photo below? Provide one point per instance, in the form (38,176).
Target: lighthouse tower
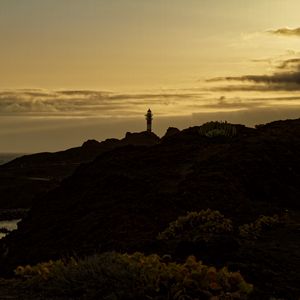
(149,118)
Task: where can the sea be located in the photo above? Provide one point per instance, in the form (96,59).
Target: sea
(6,157)
(8,224)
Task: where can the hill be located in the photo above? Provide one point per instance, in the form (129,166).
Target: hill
(122,199)
(30,175)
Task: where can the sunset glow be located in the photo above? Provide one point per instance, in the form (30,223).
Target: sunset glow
(69,69)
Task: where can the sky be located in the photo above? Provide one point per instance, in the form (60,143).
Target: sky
(73,70)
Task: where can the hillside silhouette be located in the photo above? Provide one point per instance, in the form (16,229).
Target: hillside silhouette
(131,191)
(28,176)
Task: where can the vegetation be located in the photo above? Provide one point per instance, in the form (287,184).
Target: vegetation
(122,276)
(258,227)
(4,230)
(214,129)
(196,226)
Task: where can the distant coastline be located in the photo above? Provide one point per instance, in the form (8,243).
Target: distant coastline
(6,157)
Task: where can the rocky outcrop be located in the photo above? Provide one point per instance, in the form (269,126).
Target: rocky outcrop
(28,176)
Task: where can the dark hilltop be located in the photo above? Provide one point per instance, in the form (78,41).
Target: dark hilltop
(29,175)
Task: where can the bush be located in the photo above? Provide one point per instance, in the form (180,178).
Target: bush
(261,225)
(215,129)
(4,230)
(123,276)
(197,226)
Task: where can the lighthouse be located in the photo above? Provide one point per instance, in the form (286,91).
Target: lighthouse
(149,118)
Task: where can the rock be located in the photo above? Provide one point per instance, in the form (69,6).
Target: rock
(171,131)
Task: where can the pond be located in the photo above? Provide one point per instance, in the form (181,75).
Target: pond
(9,225)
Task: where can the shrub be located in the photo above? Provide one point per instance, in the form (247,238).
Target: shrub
(123,276)
(214,129)
(256,229)
(44,271)
(197,226)
(4,230)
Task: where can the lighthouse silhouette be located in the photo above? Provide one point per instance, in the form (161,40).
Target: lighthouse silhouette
(149,118)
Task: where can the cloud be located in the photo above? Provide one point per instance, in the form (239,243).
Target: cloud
(286,32)
(286,77)
(290,63)
(89,103)
(246,103)
(230,104)
(235,104)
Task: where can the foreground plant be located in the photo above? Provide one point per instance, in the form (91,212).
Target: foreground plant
(124,276)
(196,226)
(256,229)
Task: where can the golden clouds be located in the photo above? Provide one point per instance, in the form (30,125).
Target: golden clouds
(286,31)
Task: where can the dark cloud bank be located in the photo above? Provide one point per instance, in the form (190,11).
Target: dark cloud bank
(285,78)
(286,32)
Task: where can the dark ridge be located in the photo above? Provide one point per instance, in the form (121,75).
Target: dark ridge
(171,132)
(28,176)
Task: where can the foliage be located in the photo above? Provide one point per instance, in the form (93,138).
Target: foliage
(214,129)
(44,270)
(123,276)
(4,230)
(196,226)
(256,229)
